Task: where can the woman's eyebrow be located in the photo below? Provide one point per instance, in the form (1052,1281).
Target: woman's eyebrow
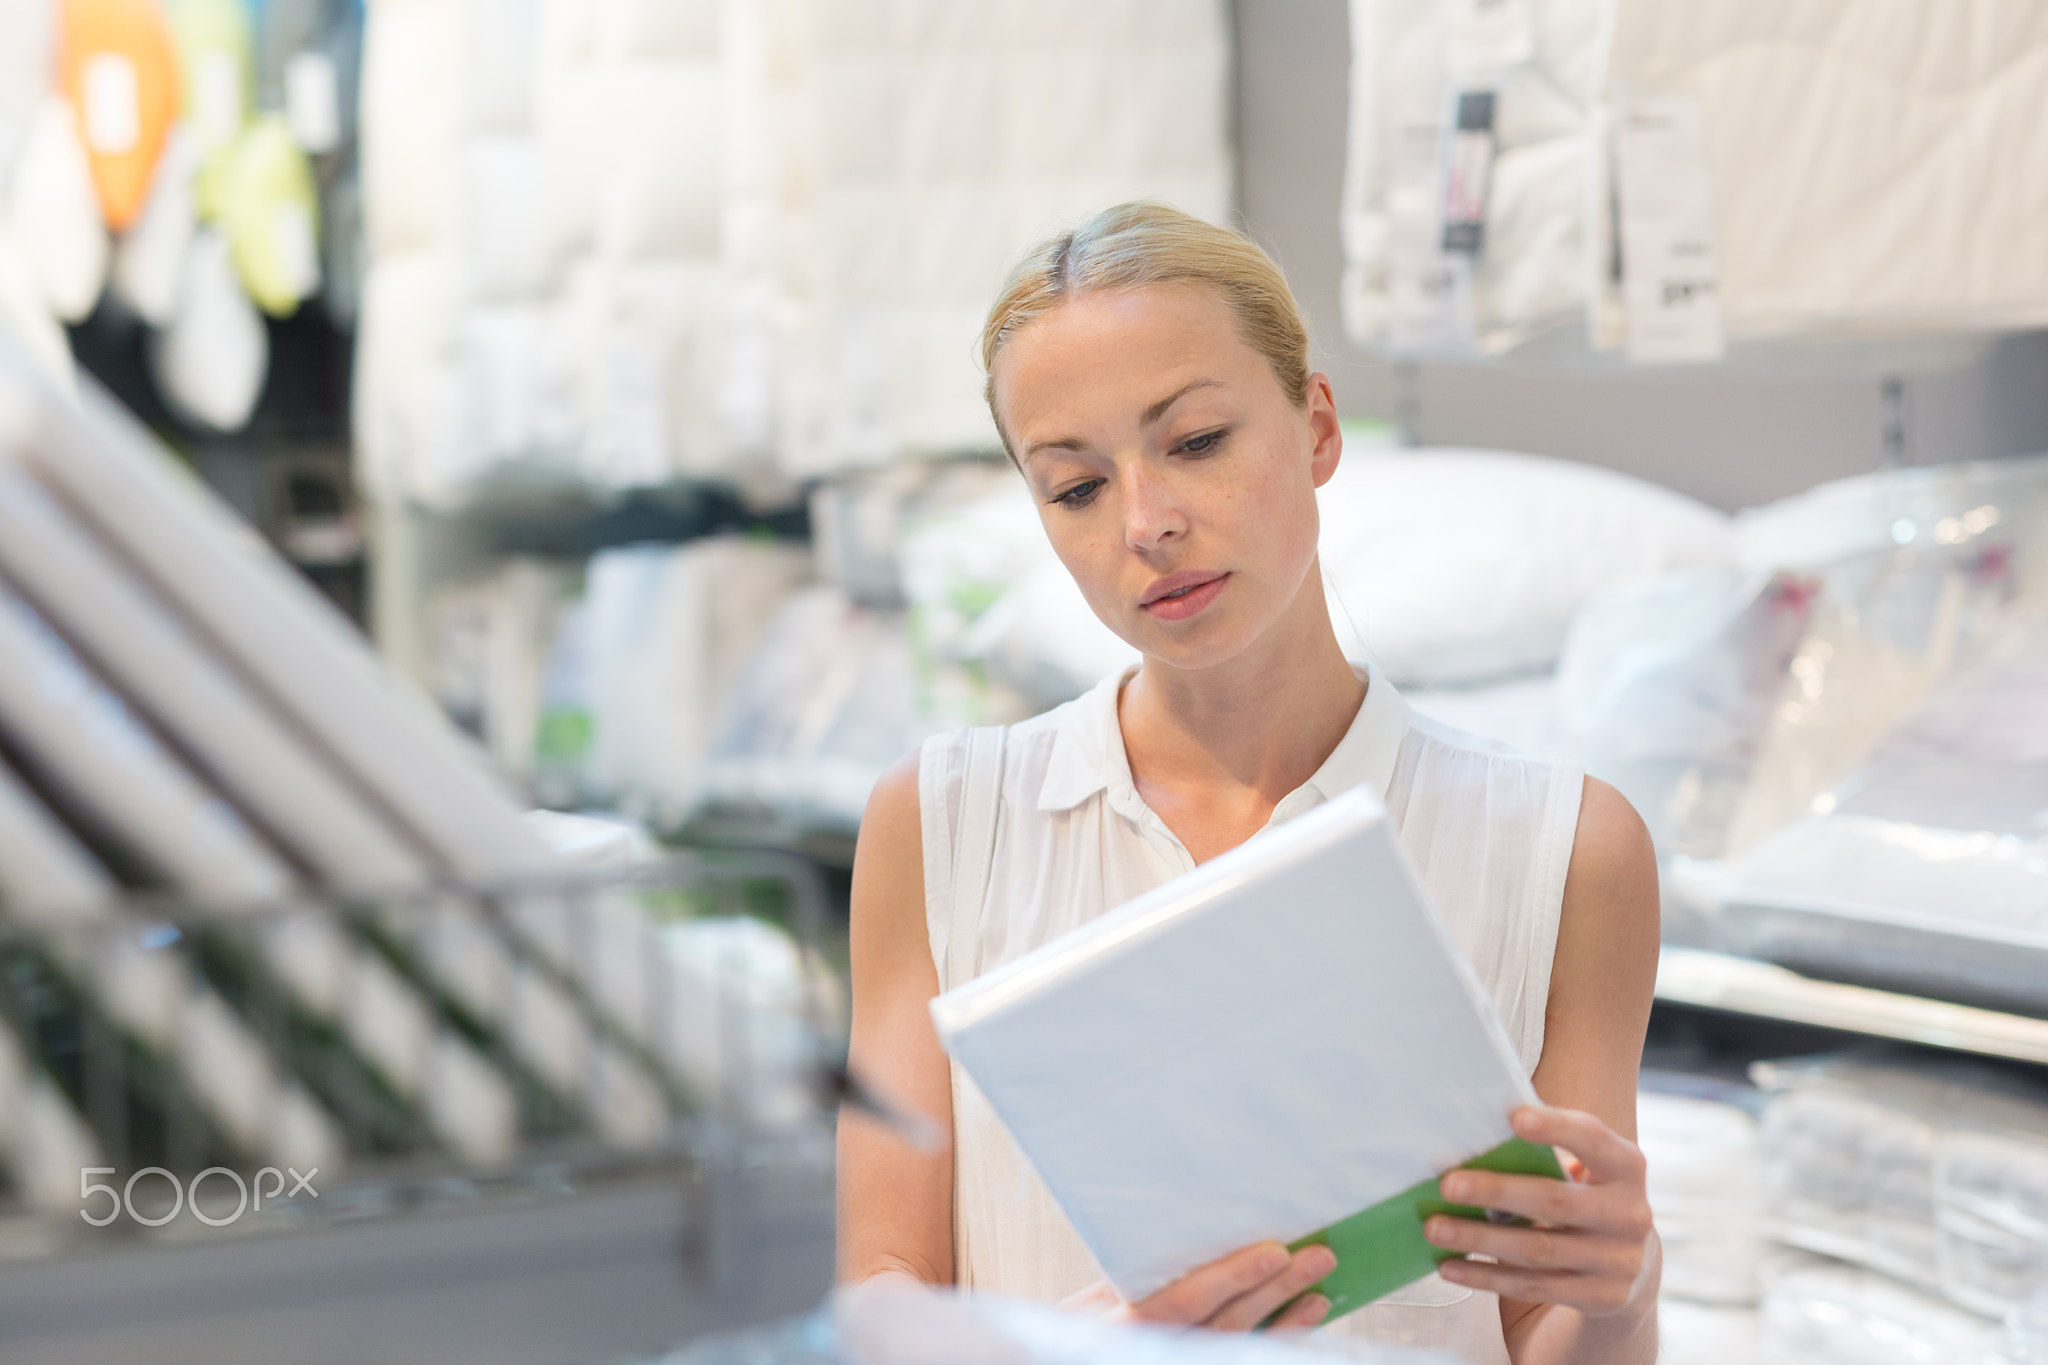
(1158,410)
(1063,443)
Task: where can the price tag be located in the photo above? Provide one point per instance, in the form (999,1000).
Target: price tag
(113,104)
(1670,285)
(1485,37)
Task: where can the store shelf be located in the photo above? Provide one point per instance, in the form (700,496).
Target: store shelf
(1717,981)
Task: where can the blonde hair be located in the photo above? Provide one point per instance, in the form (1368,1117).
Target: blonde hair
(1143,243)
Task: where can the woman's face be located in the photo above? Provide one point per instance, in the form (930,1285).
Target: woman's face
(1174,478)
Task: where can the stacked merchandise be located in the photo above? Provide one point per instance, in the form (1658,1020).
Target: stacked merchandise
(621,243)
(182,718)
(1674,177)
(717,676)
(945,605)
(1923,1187)
(1905,1203)
(181,154)
(1706,1192)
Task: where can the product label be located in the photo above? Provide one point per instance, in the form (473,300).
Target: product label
(113,104)
(1468,171)
(1670,284)
(1428,289)
(1482,37)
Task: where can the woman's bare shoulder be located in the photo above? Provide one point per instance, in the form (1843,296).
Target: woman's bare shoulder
(1604,971)
(888,858)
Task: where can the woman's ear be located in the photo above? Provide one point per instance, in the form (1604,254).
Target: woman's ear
(1323,425)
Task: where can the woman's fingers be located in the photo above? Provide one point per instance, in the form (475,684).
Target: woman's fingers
(1305,1312)
(1594,1294)
(1622,1210)
(1196,1296)
(1253,1307)
(1608,1156)
(1536,1248)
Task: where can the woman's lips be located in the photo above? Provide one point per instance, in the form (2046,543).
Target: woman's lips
(1188,601)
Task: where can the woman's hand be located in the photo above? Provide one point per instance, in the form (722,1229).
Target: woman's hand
(1590,1248)
(1232,1294)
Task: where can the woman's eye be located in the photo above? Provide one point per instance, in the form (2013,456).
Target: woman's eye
(1203,444)
(1080,495)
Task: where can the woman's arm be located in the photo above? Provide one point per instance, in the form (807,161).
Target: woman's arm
(1581,1287)
(895,1202)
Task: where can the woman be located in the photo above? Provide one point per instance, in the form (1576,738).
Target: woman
(1148,373)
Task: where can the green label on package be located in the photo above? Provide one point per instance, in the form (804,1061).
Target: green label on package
(1382,1248)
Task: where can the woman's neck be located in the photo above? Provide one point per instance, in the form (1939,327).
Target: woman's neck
(1213,751)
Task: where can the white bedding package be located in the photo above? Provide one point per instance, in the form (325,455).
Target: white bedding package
(1261,1048)
(617,243)
(1834,169)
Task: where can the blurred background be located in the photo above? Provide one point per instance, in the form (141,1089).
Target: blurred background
(487,485)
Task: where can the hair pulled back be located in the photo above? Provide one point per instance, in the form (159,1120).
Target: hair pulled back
(1134,245)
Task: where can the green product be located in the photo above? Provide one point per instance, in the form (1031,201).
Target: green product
(1382,1248)
(270,210)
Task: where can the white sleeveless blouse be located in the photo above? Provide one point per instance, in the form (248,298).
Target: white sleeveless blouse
(1490,829)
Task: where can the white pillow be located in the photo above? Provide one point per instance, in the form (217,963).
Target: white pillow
(210,362)
(1460,566)
(56,213)
(1042,639)
(149,261)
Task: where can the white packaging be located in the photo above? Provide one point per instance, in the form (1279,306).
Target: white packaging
(1269,1044)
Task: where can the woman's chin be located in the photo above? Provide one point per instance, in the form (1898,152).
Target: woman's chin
(1191,646)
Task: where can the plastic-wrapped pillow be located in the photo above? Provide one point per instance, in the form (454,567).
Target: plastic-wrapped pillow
(26,318)
(150,259)
(1462,566)
(119,68)
(271,213)
(213,40)
(1999,506)
(1668,688)
(55,214)
(209,363)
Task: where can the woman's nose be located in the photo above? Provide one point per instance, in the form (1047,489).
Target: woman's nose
(1151,513)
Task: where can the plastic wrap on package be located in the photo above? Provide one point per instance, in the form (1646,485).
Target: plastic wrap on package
(1817,1313)
(1667,687)
(1889,1166)
(1996,506)
(669,632)
(832,697)
(1928,866)
(1888,625)
(881,1324)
